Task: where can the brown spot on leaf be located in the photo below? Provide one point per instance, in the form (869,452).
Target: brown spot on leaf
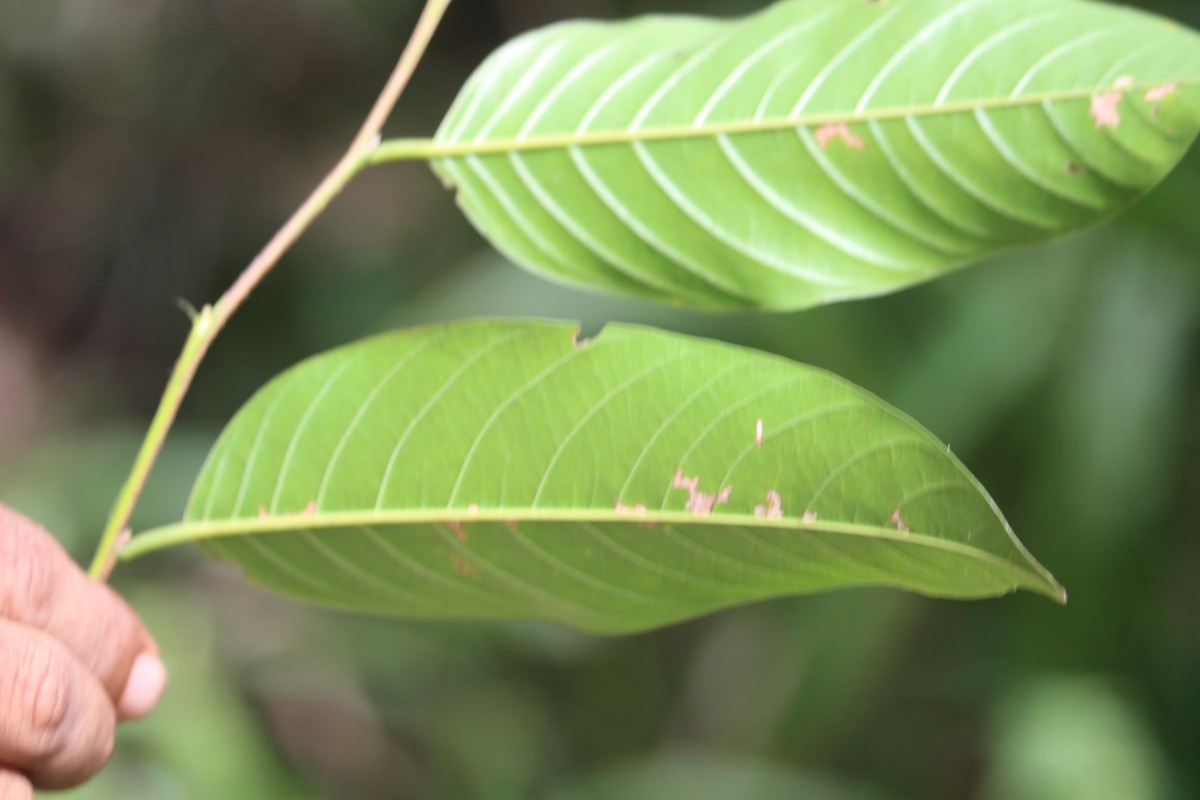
(898,521)
(462,566)
(774,507)
(1073,168)
(838,130)
(457,527)
(511,524)
(700,503)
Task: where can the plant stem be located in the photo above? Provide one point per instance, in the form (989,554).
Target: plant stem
(209,321)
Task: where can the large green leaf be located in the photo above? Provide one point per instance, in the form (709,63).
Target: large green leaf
(507,470)
(819,150)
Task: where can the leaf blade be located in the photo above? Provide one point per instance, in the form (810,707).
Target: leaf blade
(816,151)
(499,470)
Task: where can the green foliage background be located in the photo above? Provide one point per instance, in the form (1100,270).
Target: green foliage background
(148,148)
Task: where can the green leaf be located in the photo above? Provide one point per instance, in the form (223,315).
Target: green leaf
(819,150)
(507,470)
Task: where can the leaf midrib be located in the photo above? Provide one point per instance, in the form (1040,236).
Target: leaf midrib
(193,532)
(429,149)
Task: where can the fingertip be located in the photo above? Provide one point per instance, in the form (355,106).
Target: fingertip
(14,786)
(146,684)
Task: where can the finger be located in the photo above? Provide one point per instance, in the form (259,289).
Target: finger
(147,681)
(42,588)
(57,724)
(14,786)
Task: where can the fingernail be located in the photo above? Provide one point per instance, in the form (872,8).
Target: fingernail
(147,680)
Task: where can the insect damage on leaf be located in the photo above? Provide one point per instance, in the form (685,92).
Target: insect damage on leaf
(1105,109)
(638,510)
(1159,93)
(837,130)
(309,510)
(579,340)
(898,521)
(774,507)
(700,503)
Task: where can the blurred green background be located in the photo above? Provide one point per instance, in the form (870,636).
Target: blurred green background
(148,148)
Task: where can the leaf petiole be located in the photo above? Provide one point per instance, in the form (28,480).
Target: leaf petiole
(209,322)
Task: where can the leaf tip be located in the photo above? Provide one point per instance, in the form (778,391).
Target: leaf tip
(1052,589)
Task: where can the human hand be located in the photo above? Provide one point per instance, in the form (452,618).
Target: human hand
(74,661)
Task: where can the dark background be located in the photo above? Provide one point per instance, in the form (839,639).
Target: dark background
(149,147)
